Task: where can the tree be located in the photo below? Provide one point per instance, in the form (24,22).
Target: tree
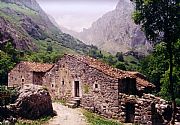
(120,65)
(119,56)
(155,65)
(49,49)
(9,56)
(160,22)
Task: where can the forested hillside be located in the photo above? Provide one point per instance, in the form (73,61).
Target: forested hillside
(28,25)
(27,34)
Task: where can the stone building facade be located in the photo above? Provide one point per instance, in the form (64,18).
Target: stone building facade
(105,90)
(108,91)
(27,73)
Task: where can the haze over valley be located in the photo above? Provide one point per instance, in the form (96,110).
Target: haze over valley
(105,24)
(77,14)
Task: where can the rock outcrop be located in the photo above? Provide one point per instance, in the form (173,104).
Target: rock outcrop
(33,102)
(8,32)
(115,31)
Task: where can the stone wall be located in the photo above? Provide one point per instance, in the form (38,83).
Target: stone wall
(19,76)
(101,93)
(148,109)
(98,91)
(38,78)
(104,99)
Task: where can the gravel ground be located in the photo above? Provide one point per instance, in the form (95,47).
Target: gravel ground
(67,116)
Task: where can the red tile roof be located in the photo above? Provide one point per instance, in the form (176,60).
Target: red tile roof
(114,72)
(108,70)
(37,67)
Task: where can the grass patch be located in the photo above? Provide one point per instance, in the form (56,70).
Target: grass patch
(57,47)
(40,121)
(131,59)
(95,119)
(45,56)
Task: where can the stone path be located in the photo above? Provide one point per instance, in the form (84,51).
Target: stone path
(67,116)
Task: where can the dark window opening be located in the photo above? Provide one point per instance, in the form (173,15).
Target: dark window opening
(130,111)
(52,85)
(22,80)
(167,113)
(96,86)
(127,86)
(63,82)
(84,70)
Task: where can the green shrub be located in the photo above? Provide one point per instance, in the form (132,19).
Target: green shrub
(178,101)
(7,95)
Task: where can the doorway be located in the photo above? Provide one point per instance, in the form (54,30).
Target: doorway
(130,111)
(76,87)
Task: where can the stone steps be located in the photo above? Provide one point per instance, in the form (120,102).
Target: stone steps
(70,105)
(74,103)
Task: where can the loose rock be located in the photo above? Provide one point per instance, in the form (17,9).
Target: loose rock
(33,102)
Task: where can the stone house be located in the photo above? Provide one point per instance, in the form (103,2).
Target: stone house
(28,73)
(72,75)
(108,91)
(84,81)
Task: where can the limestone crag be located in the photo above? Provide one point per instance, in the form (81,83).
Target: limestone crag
(115,31)
(33,102)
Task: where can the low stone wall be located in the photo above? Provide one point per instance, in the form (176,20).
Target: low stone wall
(178,115)
(148,109)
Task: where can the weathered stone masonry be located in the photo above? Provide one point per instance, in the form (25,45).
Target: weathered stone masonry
(105,90)
(28,73)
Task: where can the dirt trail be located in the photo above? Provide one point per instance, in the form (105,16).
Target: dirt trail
(67,116)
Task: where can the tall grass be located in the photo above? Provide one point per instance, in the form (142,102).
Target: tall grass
(95,119)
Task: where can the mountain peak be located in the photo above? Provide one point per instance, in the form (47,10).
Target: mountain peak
(124,5)
(116,32)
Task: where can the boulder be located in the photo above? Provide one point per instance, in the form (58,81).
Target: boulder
(33,102)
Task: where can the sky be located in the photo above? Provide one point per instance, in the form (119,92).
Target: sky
(77,14)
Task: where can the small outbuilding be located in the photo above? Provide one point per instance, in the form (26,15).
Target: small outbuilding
(28,73)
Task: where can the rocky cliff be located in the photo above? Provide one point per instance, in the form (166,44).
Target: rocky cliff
(115,31)
(8,32)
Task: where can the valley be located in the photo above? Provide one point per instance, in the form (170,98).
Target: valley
(124,67)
